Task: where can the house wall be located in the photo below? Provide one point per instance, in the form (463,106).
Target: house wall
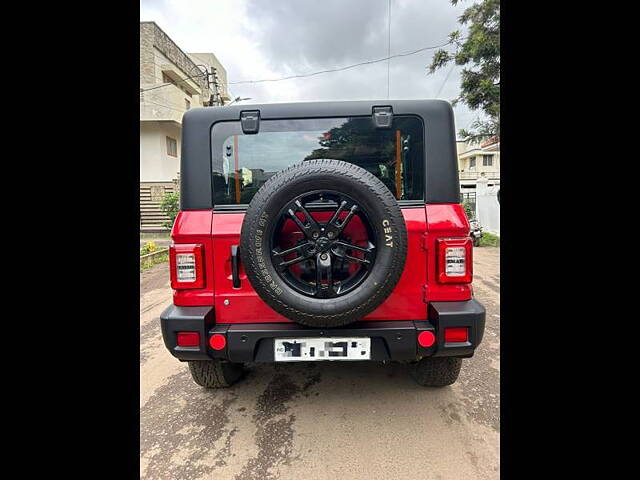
(153,41)
(464,163)
(488,207)
(155,164)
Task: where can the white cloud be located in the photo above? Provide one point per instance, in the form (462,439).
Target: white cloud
(256,39)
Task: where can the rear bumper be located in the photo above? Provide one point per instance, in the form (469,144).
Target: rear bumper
(394,340)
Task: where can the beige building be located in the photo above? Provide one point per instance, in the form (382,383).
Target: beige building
(478,160)
(171,82)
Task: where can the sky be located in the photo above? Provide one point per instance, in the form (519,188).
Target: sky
(265,39)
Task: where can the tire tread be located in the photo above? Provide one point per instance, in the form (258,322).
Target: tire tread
(437,371)
(214,373)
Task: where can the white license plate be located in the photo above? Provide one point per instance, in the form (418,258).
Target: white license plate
(310,349)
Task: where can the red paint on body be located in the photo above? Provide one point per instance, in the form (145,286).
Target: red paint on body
(417,286)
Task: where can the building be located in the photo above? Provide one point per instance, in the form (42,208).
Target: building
(171,82)
(476,161)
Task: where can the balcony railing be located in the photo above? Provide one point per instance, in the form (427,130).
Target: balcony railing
(476,175)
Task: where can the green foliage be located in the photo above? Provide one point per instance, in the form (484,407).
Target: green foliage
(148,247)
(480,52)
(489,240)
(145,265)
(468,209)
(170,206)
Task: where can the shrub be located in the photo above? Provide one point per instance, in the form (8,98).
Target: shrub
(170,206)
(468,209)
(149,247)
(489,240)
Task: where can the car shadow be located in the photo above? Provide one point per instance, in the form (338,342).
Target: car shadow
(329,378)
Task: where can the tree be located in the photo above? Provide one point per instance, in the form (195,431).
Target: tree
(480,51)
(170,206)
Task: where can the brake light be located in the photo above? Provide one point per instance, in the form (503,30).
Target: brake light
(456,335)
(455,264)
(188,339)
(217,341)
(426,339)
(186,265)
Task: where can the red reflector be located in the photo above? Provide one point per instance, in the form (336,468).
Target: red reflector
(426,339)
(217,341)
(456,335)
(188,339)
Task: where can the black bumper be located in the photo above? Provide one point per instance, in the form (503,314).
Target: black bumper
(393,340)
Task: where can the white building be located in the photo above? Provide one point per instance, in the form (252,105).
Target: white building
(476,161)
(171,82)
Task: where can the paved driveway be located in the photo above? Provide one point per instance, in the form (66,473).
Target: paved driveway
(324,420)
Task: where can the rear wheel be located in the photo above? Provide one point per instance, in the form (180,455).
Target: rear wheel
(436,371)
(215,373)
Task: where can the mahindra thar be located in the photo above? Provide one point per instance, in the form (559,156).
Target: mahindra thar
(324,231)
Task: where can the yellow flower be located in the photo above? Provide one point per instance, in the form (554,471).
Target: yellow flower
(150,247)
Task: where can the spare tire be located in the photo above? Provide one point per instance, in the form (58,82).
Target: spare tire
(323,243)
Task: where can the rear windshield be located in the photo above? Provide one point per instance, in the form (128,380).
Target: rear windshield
(243,163)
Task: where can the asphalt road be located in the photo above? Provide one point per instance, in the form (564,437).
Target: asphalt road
(319,420)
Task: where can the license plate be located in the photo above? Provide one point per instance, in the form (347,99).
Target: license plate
(311,349)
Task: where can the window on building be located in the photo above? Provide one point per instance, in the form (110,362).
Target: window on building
(187,104)
(472,162)
(172,147)
(487,160)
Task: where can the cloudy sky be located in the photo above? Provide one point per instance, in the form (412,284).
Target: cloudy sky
(265,39)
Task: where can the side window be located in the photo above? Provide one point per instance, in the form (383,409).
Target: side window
(472,162)
(172,147)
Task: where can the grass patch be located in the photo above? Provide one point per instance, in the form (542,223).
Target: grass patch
(162,235)
(489,240)
(147,264)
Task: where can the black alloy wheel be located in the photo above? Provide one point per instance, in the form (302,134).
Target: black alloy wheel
(325,249)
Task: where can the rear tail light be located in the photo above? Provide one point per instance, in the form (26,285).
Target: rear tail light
(186,265)
(456,335)
(426,339)
(454,260)
(188,339)
(217,341)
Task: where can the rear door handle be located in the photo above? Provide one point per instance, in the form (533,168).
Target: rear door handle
(235,266)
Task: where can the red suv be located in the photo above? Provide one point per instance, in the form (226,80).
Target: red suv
(321,231)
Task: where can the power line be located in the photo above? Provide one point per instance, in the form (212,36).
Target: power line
(206,74)
(339,69)
(388,49)
(181,80)
(168,102)
(165,106)
(177,81)
(445,80)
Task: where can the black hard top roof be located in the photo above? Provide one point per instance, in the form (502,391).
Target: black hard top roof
(442,185)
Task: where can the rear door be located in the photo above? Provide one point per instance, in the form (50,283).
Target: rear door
(243,163)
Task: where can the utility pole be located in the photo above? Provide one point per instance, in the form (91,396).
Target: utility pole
(211,77)
(213,83)
(216,85)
